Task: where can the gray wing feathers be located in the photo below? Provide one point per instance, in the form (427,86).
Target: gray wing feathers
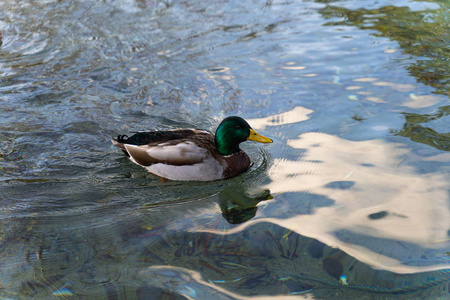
(185,153)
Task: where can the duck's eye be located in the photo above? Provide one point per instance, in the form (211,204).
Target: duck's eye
(238,127)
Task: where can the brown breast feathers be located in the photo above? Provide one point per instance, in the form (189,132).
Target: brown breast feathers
(235,164)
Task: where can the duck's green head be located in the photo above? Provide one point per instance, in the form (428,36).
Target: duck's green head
(234,130)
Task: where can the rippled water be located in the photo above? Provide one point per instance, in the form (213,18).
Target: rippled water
(351,201)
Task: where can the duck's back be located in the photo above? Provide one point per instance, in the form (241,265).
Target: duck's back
(160,137)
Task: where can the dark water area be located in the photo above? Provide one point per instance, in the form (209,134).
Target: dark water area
(351,201)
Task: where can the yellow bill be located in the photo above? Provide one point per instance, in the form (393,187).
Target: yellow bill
(254,136)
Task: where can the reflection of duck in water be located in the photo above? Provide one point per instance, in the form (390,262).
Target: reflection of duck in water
(191,154)
(237,207)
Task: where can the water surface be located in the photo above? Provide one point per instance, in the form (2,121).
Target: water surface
(351,200)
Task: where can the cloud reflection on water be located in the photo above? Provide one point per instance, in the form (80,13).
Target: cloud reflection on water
(297,114)
(384,213)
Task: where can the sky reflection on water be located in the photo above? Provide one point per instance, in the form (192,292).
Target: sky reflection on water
(364,179)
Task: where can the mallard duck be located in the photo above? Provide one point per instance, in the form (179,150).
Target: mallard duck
(192,154)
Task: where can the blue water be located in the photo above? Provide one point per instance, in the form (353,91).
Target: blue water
(351,201)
